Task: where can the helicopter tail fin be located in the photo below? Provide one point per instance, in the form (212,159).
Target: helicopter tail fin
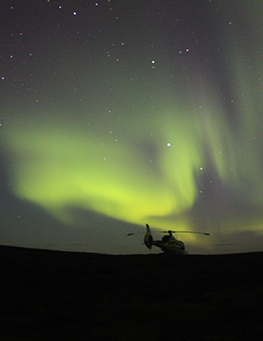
(148,239)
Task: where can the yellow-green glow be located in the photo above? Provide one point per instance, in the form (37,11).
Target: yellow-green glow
(57,169)
(178,146)
(62,165)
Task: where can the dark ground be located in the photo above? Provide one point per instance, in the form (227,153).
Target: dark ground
(53,295)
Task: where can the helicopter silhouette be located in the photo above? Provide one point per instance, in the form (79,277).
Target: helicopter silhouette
(168,244)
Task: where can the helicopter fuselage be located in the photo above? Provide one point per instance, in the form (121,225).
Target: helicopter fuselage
(168,244)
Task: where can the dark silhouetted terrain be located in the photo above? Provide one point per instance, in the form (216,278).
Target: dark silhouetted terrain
(53,295)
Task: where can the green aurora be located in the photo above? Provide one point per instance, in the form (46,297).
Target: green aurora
(176,154)
(155,178)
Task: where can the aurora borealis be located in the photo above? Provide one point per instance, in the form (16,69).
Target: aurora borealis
(120,113)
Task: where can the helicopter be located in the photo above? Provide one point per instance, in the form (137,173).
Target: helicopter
(169,244)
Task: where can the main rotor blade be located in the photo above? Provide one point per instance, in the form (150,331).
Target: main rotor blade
(131,234)
(205,233)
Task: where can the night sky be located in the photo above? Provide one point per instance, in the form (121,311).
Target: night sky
(119,113)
